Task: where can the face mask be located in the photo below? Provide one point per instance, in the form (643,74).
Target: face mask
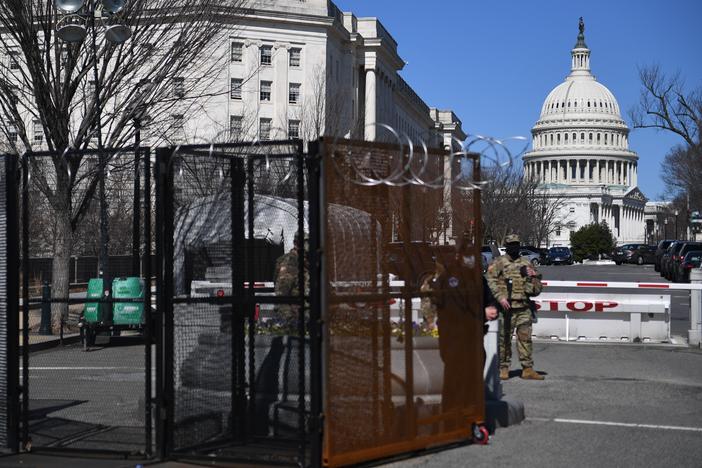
(513,251)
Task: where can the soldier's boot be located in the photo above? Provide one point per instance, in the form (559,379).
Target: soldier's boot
(528,373)
(504,373)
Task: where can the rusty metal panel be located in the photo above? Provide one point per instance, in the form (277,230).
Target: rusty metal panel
(398,379)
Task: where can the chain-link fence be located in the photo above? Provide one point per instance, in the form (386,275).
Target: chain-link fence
(232,224)
(93,393)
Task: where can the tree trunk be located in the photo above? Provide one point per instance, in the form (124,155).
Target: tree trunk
(60,271)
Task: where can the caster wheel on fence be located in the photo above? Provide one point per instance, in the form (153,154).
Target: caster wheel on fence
(481,436)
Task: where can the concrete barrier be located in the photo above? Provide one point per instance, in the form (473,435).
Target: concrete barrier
(589,316)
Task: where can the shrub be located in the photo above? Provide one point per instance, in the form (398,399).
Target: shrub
(591,240)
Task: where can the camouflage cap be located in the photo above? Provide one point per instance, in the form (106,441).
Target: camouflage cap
(512,239)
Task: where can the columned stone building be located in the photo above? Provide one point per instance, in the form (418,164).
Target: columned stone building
(580,155)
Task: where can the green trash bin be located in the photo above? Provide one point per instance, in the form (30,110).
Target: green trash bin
(91,311)
(128,313)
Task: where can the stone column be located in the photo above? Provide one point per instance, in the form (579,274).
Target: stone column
(587,172)
(571,175)
(279,123)
(631,174)
(598,175)
(371,97)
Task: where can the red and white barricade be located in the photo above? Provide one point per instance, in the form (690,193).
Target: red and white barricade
(590,316)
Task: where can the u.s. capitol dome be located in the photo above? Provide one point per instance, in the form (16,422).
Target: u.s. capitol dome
(580,156)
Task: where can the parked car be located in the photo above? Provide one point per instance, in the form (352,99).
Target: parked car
(560,256)
(643,254)
(660,250)
(623,253)
(488,254)
(667,261)
(533,257)
(543,253)
(544,259)
(692,259)
(677,259)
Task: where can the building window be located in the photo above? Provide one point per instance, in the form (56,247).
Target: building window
(179,86)
(294,93)
(264,129)
(575,138)
(589,139)
(294,129)
(565,138)
(266,55)
(235,125)
(37,131)
(294,59)
(558,230)
(13,57)
(266,87)
(237,52)
(13,94)
(11,133)
(582,138)
(178,122)
(235,88)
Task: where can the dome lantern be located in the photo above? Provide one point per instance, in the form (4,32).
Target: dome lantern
(580,53)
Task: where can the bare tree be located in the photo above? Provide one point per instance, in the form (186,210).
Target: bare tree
(324,110)
(513,203)
(169,65)
(666,104)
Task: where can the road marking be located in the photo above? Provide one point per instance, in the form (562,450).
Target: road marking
(84,368)
(618,424)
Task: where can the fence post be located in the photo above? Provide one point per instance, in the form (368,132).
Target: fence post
(45,327)
(491,371)
(694,334)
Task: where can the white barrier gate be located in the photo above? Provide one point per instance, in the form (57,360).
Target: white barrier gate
(603,317)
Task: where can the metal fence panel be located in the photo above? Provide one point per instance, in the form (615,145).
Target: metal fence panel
(397,379)
(236,352)
(9,313)
(94,392)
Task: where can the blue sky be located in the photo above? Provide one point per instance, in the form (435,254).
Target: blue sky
(494,62)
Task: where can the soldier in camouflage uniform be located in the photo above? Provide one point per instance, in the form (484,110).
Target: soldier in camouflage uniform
(287,283)
(513,280)
(427,305)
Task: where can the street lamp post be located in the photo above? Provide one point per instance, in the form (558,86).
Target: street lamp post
(665,222)
(136,270)
(676,224)
(80,15)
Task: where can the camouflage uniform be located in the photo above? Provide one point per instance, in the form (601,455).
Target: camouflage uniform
(498,274)
(287,284)
(427,306)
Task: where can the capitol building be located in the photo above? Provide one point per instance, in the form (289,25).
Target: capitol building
(580,155)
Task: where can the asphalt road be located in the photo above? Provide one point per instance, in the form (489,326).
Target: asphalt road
(88,400)
(623,405)
(601,405)
(679,301)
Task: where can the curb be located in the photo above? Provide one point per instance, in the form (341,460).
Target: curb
(503,413)
(48,344)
